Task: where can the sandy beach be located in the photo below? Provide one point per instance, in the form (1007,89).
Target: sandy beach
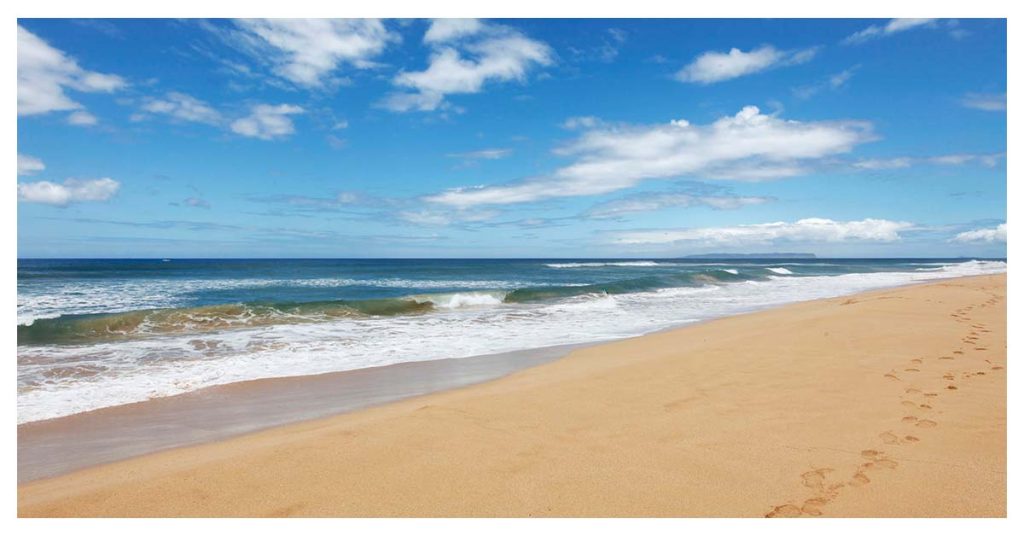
(885,404)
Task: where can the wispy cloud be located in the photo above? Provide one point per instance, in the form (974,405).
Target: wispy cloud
(648,202)
(267,122)
(986,236)
(809,230)
(989,102)
(182,107)
(902,162)
(832,82)
(711,67)
(466,56)
(307,52)
(29,165)
(482,154)
(892,27)
(45,74)
(70,191)
(747,146)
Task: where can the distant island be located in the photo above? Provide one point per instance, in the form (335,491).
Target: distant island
(752,256)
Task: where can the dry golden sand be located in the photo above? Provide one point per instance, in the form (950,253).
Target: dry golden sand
(889,403)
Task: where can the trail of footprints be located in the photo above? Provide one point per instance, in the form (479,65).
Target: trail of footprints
(917,404)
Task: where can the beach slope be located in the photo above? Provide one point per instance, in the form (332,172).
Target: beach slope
(888,403)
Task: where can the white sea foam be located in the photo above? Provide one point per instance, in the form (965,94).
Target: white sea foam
(731,271)
(463,299)
(130,371)
(782,271)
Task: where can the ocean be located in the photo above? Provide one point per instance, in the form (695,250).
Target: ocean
(100,333)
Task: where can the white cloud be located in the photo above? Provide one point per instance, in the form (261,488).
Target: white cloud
(444,30)
(988,236)
(651,202)
(182,107)
(29,165)
(267,122)
(494,54)
(45,73)
(833,82)
(711,67)
(482,154)
(893,26)
(307,51)
(902,162)
(71,191)
(581,122)
(749,145)
(883,163)
(809,230)
(435,218)
(82,118)
(989,102)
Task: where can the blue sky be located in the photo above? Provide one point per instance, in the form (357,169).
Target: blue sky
(511,138)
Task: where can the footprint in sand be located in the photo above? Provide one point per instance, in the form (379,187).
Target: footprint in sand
(909,404)
(948,376)
(910,439)
(912,370)
(786,510)
(931,394)
(909,419)
(946,357)
(911,390)
(997,367)
(958,352)
(980,349)
(892,376)
(926,423)
(951,387)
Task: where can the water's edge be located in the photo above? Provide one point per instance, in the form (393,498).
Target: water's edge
(52,447)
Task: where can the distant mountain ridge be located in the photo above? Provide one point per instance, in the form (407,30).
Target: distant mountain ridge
(752,256)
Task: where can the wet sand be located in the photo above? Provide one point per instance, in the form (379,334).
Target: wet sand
(56,446)
(888,403)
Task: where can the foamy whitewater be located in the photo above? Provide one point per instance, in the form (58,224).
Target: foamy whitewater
(99,333)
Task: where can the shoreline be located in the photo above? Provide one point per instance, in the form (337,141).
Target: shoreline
(582,370)
(116,433)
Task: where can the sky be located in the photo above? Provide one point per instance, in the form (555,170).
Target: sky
(511,138)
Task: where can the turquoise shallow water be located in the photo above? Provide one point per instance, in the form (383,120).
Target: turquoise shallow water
(95,333)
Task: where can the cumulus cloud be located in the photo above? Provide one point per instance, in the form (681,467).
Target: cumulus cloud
(29,165)
(989,102)
(711,67)
(987,236)
(183,108)
(71,191)
(747,146)
(809,230)
(45,74)
(307,51)
(267,121)
(892,27)
(658,201)
(466,58)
